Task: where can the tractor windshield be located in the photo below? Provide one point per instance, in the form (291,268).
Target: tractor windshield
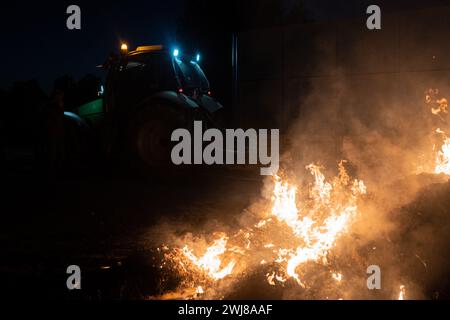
(191,75)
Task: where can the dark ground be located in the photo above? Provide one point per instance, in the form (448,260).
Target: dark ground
(108,222)
(101,221)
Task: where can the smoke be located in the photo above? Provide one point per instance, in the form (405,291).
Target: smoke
(383,127)
(387,145)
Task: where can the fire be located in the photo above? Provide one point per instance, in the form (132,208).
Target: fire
(294,234)
(199,290)
(328,203)
(443,156)
(299,227)
(439,108)
(284,203)
(402,294)
(210,262)
(337,277)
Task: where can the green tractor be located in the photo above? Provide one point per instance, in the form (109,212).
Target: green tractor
(149,92)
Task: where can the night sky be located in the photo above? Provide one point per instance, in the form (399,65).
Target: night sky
(36,43)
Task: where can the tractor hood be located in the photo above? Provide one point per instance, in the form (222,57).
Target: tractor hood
(209,104)
(204,101)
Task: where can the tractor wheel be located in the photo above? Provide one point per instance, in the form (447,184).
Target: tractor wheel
(151,131)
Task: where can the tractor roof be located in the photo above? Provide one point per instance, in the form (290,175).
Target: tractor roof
(147,49)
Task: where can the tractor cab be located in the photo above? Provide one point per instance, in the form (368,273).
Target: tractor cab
(135,75)
(149,92)
(151,69)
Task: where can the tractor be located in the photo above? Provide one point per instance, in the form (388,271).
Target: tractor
(148,93)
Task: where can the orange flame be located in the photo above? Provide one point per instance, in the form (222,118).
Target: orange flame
(402,294)
(210,262)
(443,156)
(439,108)
(317,238)
(326,212)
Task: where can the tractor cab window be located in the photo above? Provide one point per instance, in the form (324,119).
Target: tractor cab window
(133,64)
(142,75)
(191,75)
(152,70)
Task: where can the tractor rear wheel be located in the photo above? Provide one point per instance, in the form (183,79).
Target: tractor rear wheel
(151,131)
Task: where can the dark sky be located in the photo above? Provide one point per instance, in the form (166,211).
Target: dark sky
(35,42)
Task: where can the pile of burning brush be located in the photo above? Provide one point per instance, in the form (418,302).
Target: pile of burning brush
(312,243)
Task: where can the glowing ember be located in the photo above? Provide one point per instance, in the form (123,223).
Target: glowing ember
(210,261)
(270,278)
(337,277)
(199,290)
